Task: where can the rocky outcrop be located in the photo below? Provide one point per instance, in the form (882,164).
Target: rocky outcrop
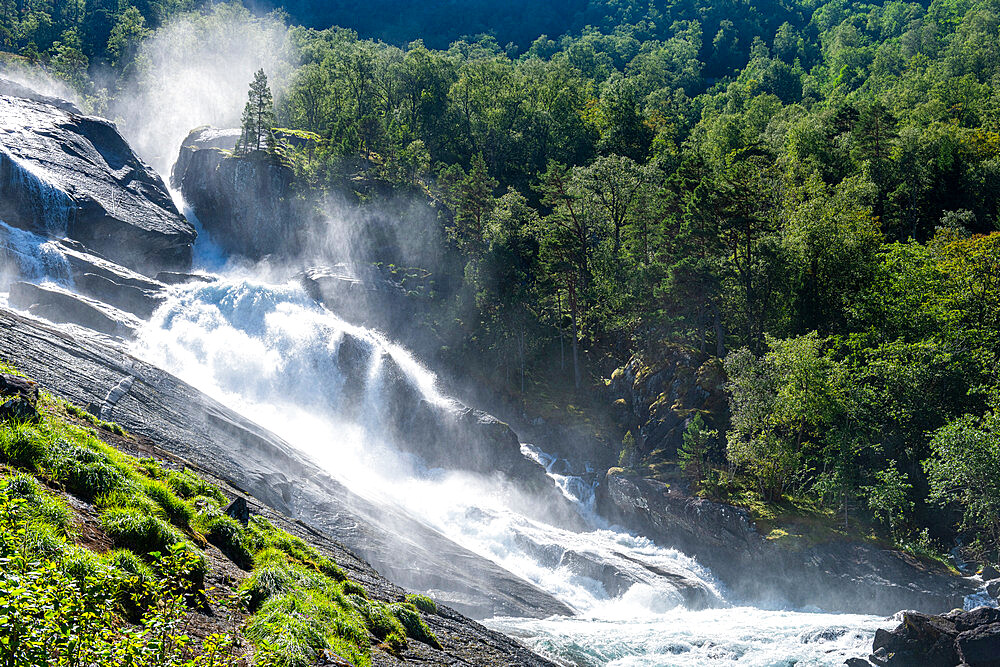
(64,174)
(834,575)
(362,295)
(656,397)
(246,204)
(56,304)
(154,404)
(967,638)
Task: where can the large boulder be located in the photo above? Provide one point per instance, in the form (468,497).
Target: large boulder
(245,203)
(64,174)
(968,638)
(832,574)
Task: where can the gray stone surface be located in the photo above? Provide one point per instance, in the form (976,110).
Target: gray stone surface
(63,174)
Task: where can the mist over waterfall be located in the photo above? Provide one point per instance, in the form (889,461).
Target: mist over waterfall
(270,352)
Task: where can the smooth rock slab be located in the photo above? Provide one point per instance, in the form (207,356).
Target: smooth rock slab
(63,174)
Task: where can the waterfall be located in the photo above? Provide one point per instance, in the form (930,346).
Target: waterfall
(320,383)
(49,205)
(28,256)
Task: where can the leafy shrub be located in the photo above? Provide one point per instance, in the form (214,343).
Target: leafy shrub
(134,583)
(423,603)
(415,626)
(22,446)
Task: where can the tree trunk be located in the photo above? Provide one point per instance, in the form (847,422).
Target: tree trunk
(576,337)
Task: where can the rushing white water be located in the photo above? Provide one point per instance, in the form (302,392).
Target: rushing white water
(273,354)
(48,203)
(28,256)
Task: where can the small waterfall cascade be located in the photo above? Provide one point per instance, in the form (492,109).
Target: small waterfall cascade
(48,203)
(31,257)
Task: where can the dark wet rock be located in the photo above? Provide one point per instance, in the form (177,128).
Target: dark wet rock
(151,403)
(12,385)
(63,174)
(968,638)
(656,395)
(993,589)
(614,580)
(139,302)
(330,659)
(18,410)
(62,306)
(980,646)
(989,572)
(857,662)
(246,203)
(362,295)
(238,510)
(179,278)
(834,575)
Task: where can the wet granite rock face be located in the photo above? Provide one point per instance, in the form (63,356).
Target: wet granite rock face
(60,305)
(966,638)
(91,371)
(64,174)
(841,576)
(246,204)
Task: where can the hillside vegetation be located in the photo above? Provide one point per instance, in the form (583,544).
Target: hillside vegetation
(808,191)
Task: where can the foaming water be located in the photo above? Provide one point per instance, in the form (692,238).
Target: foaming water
(273,354)
(741,636)
(32,257)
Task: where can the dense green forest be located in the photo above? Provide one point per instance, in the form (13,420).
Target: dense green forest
(807,190)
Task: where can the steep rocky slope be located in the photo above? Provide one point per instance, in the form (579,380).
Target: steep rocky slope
(92,371)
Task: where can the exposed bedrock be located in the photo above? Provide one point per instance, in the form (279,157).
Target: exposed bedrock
(966,638)
(65,174)
(185,422)
(246,204)
(840,576)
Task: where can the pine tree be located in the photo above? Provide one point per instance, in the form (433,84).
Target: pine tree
(693,453)
(258,116)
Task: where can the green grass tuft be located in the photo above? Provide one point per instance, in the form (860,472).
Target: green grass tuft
(423,603)
(293,628)
(22,446)
(179,512)
(415,626)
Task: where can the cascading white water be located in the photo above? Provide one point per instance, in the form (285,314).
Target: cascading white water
(47,202)
(271,353)
(29,256)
